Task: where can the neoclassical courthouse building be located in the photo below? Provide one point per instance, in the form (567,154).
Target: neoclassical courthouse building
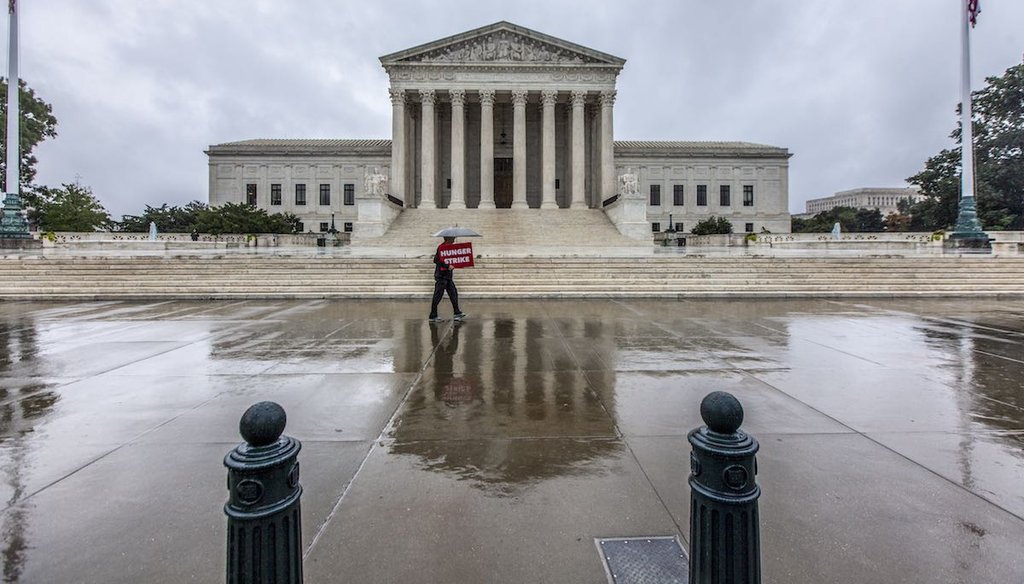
(504,117)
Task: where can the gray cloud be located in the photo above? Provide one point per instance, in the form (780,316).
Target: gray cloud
(862,92)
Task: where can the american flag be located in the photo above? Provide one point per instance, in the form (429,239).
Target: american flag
(973,10)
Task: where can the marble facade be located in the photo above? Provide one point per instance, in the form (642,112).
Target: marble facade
(497,117)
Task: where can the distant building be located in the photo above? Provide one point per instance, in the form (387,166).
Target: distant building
(885,200)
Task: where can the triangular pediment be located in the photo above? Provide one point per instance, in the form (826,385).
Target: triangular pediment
(503,43)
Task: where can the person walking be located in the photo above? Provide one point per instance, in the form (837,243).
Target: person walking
(444,282)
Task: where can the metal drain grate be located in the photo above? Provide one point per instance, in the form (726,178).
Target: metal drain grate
(644,560)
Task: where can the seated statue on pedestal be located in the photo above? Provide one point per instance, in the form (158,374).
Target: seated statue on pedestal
(628,184)
(376,184)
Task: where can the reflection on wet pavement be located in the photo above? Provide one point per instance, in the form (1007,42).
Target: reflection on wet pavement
(891,431)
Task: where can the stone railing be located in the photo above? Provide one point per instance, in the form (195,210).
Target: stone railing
(65,238)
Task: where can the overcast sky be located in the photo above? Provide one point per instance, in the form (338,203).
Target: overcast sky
(862,92)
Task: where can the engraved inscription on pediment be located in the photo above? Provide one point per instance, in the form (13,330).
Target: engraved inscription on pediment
(502,47)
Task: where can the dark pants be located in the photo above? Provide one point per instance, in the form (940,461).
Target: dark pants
(442,285)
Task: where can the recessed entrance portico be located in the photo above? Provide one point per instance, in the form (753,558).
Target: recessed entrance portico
(497,95)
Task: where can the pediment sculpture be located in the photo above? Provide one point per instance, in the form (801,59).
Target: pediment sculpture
(503,46)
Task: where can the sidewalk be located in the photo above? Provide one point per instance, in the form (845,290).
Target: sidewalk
(498,449)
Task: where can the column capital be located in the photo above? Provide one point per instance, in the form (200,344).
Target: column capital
(578,98)
(458,96)
(428,96)
(519,96)
(549,96)
(607,98)
(486,97)
(397,96)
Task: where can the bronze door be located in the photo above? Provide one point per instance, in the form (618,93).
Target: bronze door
(503,183)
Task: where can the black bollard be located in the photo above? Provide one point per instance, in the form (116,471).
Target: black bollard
(725,539)
(264,519)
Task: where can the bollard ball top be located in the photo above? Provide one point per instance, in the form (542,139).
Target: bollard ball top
(721,412)
(263,423)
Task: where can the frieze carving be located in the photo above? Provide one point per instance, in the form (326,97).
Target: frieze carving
(499,73)
(502,46)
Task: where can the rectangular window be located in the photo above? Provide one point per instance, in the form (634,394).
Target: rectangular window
(724,196)
(655,227)
(325,194)
(748,195)
(348,227)
(558,184)
(677,195)
(300,227)
(655,195)
(749,227)
(250,194)
(350,194)
(324,226)
(300,194)
(702,195)
(275,194)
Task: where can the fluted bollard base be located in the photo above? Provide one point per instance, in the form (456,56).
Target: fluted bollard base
(264,541)
(268,550)
(725,541)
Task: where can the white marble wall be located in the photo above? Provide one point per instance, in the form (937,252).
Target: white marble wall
(230,175)
(769,177)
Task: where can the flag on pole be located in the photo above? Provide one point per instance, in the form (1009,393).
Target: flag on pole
(973,10)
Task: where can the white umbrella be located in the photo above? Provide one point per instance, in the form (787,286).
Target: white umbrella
(456,232)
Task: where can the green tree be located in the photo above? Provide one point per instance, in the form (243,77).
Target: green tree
(823,222)
(711,226)
(868,221)
(72,207)
(241,218)
(998,123)
(37,124)
(168,219)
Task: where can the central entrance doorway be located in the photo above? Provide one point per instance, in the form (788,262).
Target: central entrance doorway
(503,183)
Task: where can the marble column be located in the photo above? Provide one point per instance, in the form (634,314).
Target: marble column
(427,141)
(398,144)
(548,98)
(607,100)
(519,149)
(458,200)
(579,100)
(486,149)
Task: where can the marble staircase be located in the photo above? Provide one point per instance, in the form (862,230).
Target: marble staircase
(241,276)
(502,229)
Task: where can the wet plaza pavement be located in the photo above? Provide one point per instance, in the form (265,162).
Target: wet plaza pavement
(499,448)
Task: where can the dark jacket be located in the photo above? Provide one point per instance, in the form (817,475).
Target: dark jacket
(442,271)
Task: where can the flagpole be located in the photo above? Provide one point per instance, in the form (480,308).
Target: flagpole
(13,105)
(968,231)
(13,224)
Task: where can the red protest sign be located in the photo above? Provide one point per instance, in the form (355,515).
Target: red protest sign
(456,255)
